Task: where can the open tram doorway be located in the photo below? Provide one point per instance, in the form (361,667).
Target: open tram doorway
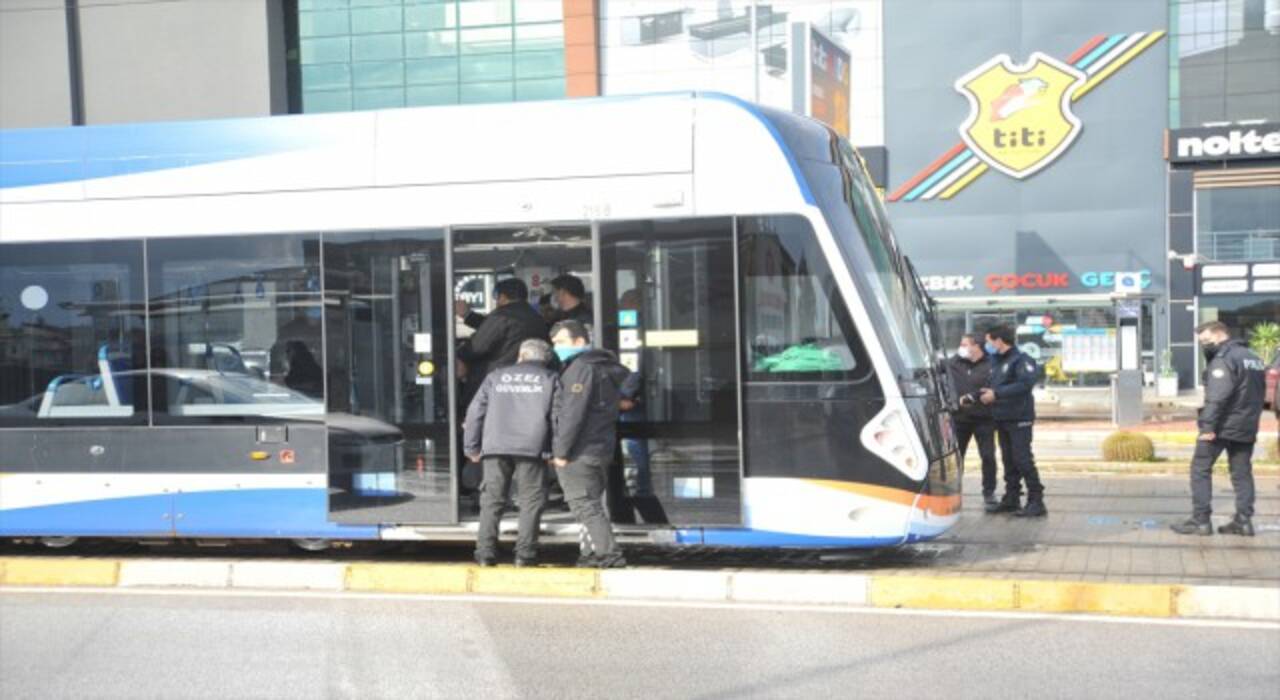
(662,296)
(482,258)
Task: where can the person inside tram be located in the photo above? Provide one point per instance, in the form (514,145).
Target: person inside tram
(569,297)
(496,342)
(304,374)
(547,309)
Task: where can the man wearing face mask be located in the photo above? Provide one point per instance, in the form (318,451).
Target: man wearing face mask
(1013,376)
(970,372)
(584,435)
(1234,384)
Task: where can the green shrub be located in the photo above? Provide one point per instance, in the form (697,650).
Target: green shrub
(1125,446)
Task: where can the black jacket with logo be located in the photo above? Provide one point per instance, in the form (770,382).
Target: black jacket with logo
(969,378)
(1013,376)
(496,342)
(586,412)
(1234,384)
(511,412)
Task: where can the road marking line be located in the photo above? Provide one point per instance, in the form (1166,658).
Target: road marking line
(827,609)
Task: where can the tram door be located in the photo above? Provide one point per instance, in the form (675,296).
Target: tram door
(482,258)
(668,303)
(386,306)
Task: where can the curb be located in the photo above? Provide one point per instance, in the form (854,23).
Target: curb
(777,587)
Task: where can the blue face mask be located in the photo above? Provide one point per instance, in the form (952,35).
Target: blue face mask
(568,352)
(991,349)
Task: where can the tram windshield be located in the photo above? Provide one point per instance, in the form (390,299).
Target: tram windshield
(895,290)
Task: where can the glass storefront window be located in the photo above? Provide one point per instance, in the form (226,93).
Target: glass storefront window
(1040,333)
(1241,312)
(375,54)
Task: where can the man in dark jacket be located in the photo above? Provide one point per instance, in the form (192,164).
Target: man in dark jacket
(1013,376)
(970,372)
(496,342)
(1234,383)
(584,437)
(497,339)
(569,296)
(508,426)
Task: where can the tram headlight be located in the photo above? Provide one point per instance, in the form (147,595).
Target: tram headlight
(890,435)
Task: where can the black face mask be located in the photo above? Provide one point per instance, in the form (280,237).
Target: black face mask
(1210,349)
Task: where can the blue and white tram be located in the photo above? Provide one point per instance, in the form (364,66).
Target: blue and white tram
(247,328)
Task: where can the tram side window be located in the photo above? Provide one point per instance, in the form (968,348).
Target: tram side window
(71,334)
(795,322)
(235,328)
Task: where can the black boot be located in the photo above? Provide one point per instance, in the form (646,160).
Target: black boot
(1034,508)
(1008,504)
(1238,526)
(1193,526)
(989,499)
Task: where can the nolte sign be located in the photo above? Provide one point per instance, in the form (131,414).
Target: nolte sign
(1224,143)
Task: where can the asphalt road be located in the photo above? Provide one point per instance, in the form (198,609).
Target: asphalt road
(180,645)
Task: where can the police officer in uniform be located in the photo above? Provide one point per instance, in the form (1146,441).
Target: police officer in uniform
(585,435)
(970,371)
(508,426)
(1013,376)
(1234,384)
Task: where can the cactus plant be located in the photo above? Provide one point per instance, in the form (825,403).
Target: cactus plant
(1126,446)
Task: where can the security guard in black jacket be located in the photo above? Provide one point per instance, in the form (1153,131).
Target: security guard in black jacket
(970,372)
(1234,386)
(585,435)
(1013,376)
(508,425)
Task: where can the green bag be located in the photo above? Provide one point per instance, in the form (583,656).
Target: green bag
(801,358)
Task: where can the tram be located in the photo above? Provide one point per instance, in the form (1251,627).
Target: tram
(249,328)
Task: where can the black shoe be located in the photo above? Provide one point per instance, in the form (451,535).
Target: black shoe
(522,562)
(612,561)
(588,561)
(1191,526)
(486,560)
(1033,509)
(1004,505)
(1237,526)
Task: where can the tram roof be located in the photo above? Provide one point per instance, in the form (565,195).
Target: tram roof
(591,137)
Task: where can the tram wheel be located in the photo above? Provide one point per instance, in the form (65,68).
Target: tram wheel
(312,544)
(58,542)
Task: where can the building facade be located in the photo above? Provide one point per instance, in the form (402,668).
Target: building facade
(117,61)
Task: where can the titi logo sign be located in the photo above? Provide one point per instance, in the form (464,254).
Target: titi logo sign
(1020,117)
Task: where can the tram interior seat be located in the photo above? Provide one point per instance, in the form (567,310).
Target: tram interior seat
(91,396)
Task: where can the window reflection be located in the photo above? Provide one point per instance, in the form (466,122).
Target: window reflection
(71,335)
(235,328)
